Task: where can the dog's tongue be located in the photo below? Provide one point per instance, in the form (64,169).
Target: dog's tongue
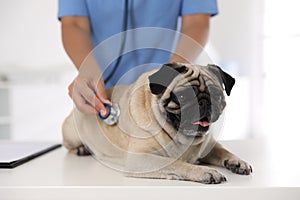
(202,123)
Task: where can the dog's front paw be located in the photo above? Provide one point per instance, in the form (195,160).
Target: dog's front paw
(238,166)
(210,176)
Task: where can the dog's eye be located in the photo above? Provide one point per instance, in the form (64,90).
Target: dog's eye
(181,97)
(186,95)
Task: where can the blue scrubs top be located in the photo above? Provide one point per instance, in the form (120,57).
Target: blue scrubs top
(149,45)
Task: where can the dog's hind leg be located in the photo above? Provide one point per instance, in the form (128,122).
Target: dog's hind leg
(71,139)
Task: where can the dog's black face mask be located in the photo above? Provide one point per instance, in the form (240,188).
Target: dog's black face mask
(195,103)
(194,112)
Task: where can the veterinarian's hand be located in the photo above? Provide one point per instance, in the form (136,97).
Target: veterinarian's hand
(88,93)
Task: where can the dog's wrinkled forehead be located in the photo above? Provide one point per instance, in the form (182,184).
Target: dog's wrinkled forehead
(172,75)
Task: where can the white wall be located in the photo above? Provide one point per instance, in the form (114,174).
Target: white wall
(30,34)
(33,59)
(282,66)
(237,38)
(237,32)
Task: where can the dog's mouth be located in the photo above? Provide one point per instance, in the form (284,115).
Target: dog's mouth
(202,126)
(199,128)
(204,123)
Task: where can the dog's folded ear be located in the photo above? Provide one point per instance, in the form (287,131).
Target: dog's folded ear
(160,80)
(225,78)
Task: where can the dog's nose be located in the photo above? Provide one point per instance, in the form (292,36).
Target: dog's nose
(204,106)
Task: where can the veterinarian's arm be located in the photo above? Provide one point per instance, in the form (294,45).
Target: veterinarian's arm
(76,36)
(195,29)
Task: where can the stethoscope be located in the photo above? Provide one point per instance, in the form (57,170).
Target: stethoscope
(124,34)
(114,112)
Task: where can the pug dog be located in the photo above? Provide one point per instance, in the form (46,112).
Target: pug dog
(164,128)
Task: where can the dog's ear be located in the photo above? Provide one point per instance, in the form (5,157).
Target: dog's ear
(159,81)
(225,78)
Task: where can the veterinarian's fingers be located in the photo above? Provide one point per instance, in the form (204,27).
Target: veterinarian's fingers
(86,108)
(90,97)
(101,94)
(82,105)
(103,98)
(76,89)
(71,88)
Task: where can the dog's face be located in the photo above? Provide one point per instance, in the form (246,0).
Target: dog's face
(191,96)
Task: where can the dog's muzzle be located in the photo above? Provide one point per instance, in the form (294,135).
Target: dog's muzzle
(197,118)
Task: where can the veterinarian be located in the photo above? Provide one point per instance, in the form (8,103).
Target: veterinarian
(87,23)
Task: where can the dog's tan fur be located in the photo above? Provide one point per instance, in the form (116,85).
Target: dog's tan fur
(138,131)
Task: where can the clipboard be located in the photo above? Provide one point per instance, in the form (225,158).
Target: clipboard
(13,154)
